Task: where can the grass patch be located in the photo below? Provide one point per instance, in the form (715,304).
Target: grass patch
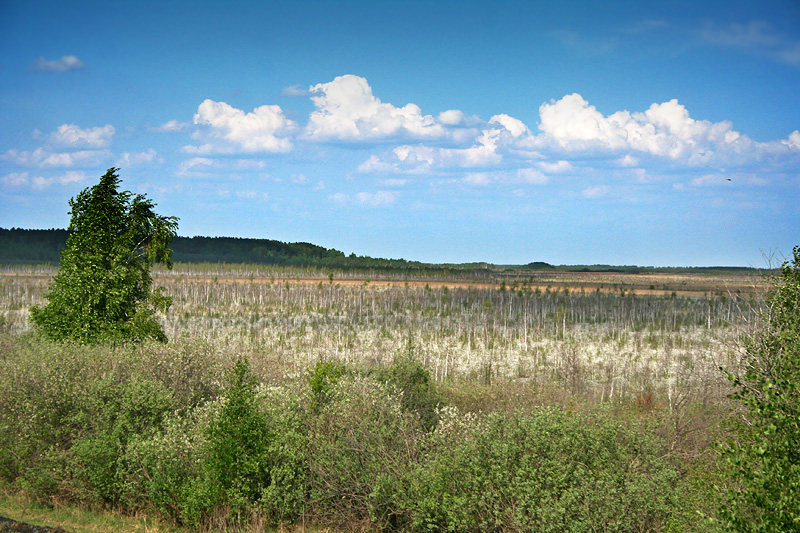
(18,506)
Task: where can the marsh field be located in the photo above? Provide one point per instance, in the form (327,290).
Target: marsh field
(297,398)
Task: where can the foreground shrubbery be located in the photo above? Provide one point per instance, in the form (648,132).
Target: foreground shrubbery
(168,430)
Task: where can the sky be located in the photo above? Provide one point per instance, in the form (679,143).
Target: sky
(573,132)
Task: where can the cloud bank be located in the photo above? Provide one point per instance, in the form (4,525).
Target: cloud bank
(567,139)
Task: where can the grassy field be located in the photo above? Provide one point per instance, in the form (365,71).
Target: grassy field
(603,334)
(637,352)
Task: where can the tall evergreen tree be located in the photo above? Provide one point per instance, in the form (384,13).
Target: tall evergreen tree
(103,290)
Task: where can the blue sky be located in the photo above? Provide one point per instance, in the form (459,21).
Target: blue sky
(649,133)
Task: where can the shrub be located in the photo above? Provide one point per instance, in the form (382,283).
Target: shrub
(546,471)
(238,441)
(418,393)
(764,452)
(322,379)
(72,416)
(116,415)
(170,466)
(285,498)
(362,450)
(42,387)
(241,455)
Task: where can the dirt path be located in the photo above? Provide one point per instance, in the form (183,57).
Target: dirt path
(6,524)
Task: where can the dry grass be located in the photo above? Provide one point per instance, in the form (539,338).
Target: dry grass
(614,342)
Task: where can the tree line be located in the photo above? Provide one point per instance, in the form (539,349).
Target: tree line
(41,246)
(23,246)
(26,246)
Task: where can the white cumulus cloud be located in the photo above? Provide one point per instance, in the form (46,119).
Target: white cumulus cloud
(532,176)
(347,110)
(231,130)
(516,127)
(452,117)
(419,158)
(794,140)
(554,167)
(664,130)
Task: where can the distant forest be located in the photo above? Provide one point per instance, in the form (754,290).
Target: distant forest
(33,246)
(39,246)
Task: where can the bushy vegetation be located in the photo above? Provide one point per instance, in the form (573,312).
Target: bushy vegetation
(362,407)
(764,452)
(172,431)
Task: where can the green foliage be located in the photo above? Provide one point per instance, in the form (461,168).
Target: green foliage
(284,500)
(544,471)
(362,453)
(413,381)
(321,380)
(71,416)
(148,428)
(103,290)
(251,459)
(764,455)
(116,415)
(170,469)
(239,440)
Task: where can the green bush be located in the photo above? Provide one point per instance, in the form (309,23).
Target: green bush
(361,452)
(545,471)
(763,454)
(149,428)
(170,467)
(322,379)
(418,392)
(223,462)
(70,414)
(42,387)
(116,415)
(239,440)
(284,409)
